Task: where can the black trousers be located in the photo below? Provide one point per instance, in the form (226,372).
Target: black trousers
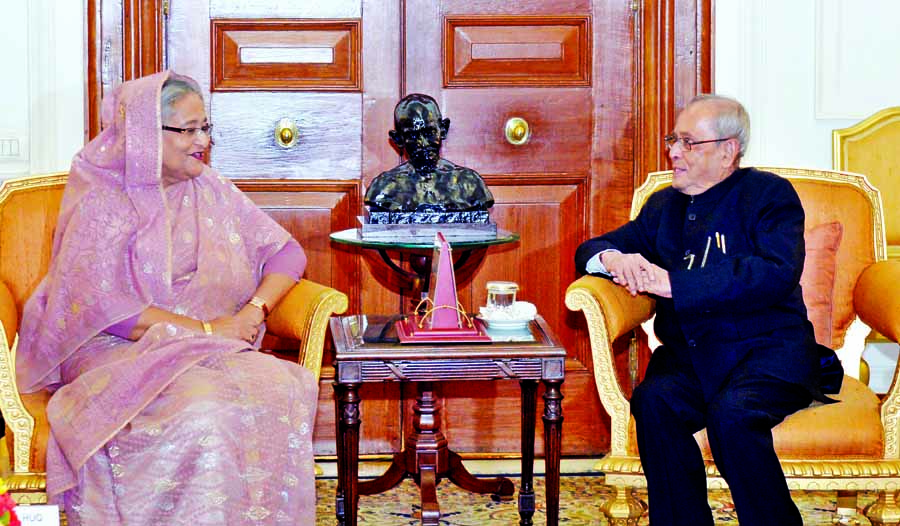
(669,407)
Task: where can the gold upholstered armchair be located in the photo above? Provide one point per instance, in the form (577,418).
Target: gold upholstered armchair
(870,147)
(849,287)
(28,212)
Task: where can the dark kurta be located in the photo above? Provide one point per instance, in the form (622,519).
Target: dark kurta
(729,306)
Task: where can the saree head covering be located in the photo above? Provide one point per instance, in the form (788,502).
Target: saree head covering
(109,256)
(177,426)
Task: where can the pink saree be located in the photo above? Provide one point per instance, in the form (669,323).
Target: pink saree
(177,427)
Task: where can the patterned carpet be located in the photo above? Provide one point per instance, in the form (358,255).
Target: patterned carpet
(580,500)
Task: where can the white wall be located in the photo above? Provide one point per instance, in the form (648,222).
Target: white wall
(805,67)
(42,96)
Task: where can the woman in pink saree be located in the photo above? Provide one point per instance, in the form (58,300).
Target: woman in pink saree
(145,329)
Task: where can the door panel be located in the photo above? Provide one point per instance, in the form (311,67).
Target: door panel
(547,212)
(517,51)
(309,210)
(270,9)
(489,76)
(285,55)
(328,125)
(486,417)
(559,121)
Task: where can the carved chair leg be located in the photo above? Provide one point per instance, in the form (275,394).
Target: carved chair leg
(624,509)
(884,511)
(846,506)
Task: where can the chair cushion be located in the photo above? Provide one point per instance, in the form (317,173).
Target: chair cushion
(849,429)
(817,280)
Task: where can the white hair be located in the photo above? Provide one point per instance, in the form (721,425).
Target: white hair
(172,91)
(732,120)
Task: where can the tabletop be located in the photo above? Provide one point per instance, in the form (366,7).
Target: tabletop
(353,237)
(530,353)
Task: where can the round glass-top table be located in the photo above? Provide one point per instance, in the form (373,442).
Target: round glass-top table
(470,252)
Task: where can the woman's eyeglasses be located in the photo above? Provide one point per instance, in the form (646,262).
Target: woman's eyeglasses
(191,132)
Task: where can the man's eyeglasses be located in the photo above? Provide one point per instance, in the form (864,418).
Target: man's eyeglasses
(688,144)
(191,132)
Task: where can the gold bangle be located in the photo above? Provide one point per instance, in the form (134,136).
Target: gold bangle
(207,327)
(260,304)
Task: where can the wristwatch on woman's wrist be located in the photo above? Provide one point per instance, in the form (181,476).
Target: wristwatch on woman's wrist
(260,304)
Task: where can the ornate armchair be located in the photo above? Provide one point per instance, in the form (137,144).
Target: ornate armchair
(870,147)
(28,213)
(850,446)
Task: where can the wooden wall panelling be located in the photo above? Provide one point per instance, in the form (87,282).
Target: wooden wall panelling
(188,42)
(521,7)
(143,37)
(328,125)
(536,200)
(296,9)
(286,55)
(310,210)
(548,211)
(483,418)
(94,91)
(674,64)
(103,68)
(559,120)
(524,50)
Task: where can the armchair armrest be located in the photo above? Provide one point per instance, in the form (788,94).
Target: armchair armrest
(610,312)
(876,298)
(621,311)
(25,414)
(303,315)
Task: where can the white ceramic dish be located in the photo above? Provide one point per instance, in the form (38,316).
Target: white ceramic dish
(506,325)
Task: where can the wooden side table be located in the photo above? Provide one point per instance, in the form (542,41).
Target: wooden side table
(426,457)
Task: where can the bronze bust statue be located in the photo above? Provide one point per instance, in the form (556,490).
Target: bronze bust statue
(426,182)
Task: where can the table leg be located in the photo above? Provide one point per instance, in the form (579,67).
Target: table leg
(431,510)
(347,396)
(389,479)
(553,420)
(339,494)
(526,490)
(426,451)
(500,488)
(425,456)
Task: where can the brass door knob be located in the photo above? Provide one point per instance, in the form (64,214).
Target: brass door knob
(517,131)
(286,133)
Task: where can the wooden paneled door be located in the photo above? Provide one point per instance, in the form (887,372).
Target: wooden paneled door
(596,81)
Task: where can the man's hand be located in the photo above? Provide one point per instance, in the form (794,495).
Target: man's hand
(635,273)
(658,283)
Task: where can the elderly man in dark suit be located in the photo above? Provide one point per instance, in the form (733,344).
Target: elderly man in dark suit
(722,251)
